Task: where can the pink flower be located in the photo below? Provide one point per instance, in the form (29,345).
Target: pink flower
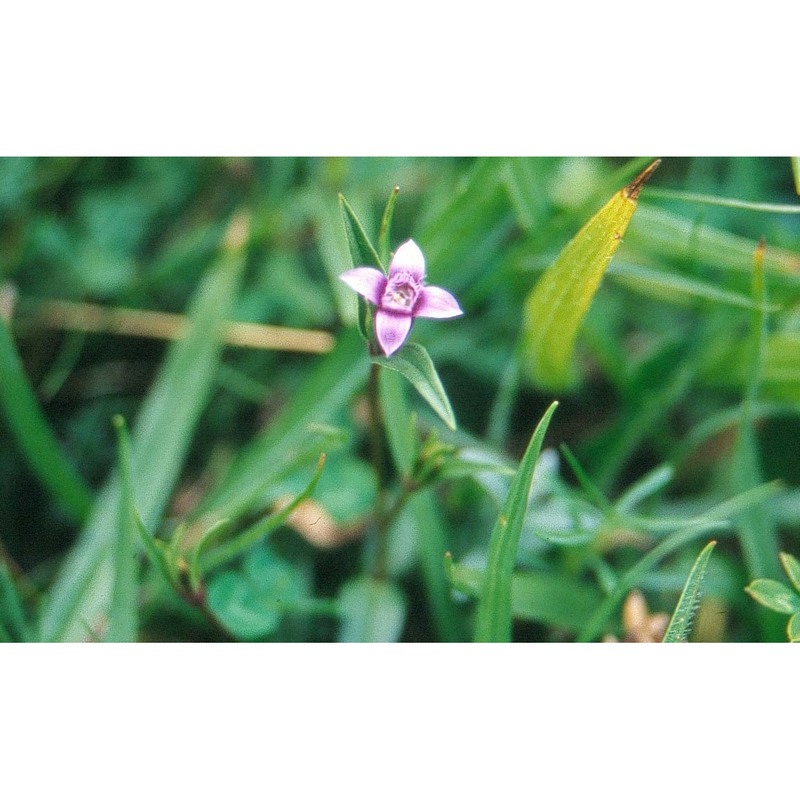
(401,296)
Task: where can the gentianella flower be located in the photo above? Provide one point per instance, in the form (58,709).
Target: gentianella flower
(401,296)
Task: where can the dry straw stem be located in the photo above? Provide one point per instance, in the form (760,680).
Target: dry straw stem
(90,318)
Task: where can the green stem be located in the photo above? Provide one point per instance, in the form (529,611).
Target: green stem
(382,517)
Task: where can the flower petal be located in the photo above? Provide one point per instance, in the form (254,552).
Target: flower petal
(367,281)
(391,330)
(436,303)
(409,258)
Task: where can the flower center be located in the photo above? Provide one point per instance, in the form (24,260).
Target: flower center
(401,293)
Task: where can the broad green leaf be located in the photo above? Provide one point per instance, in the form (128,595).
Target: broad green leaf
(399,422)
(791,567)
(493,622)
(552,599)
(793,626)
(372,610)
(717,520)
(251,602)
(12,612)
(35,439)
(415,365)
(774,595)
(681,623)
(160,440)
(297,435)
(555,308)
(385,233)
(123,611)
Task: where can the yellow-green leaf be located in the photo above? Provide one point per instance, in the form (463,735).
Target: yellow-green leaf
(557,304)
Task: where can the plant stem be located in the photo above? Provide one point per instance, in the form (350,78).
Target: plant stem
(379,465)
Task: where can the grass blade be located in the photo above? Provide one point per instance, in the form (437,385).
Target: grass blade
(416,366)
(681,623)
(551,599)
(34,436)
(493,622)
(385,233)
(12,611)
(727,202)
(159,444)
(122,616)
(555,308)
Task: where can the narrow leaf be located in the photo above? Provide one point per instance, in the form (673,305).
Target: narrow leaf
(160,440)
(12,611)
(415,365)
(555,308)
(250,536)
(361,250)
(372,611)
(557,600)
(774,595)
(681,623)
(796,173)
(493,622)
(385,233)
(123,616)
(35,438)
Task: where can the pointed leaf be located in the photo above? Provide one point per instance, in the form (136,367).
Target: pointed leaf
(33,434)
(493,622)
(385,233)
(12,611)
(161,437)
(555,308)
(362,251)
(415,365)
(681,623)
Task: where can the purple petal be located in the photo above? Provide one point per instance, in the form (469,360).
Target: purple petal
(391,330)
(409,258)
(367,281)
(436,303)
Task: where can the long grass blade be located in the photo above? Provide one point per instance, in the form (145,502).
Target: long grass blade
(493,623)
(160,440)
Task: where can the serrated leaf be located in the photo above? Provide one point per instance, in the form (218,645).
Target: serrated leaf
(493,622)
(791,567)
(555,308)
(681,623)
(416,366)
(793,626)
(774,595)
(372,610)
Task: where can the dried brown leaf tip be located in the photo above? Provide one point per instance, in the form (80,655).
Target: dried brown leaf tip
(638,624)
(635,186)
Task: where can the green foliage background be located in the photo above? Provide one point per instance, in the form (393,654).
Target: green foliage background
(684,371)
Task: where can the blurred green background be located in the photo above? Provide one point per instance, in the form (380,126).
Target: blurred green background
(662,352)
